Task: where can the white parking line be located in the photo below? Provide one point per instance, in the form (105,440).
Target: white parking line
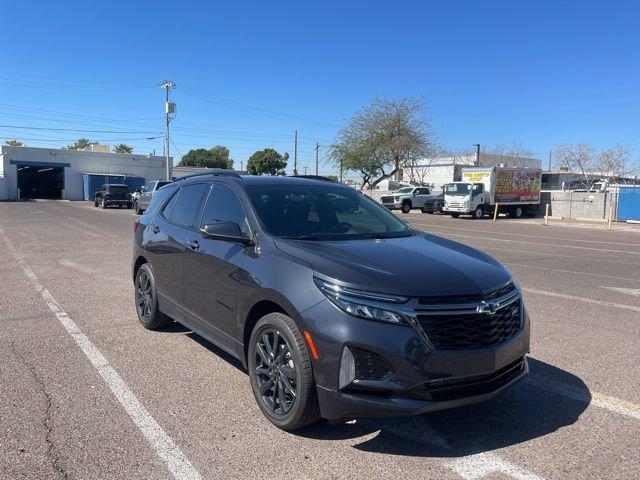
(481,465)
(573,272)
(629,291)
(582,299)
(560,239)
(164,447)
(606,402)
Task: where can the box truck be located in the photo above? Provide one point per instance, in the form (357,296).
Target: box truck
(516,190)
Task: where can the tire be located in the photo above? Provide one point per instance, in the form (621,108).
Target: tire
(516,212)
(137,209)
(406,206)
(454,215)
(146,300)
(95,203)
(103,204)
(303,409)
(478,212)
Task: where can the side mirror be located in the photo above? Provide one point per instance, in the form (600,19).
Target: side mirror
(226,231)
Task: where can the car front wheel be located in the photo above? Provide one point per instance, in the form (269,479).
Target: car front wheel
(478,213)
(406,207)
(281,374)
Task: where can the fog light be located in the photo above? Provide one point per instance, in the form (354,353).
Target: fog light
(347,368)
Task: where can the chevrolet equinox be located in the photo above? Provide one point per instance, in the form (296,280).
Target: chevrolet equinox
(336,307)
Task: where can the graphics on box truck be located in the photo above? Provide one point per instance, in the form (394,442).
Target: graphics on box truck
(517,186)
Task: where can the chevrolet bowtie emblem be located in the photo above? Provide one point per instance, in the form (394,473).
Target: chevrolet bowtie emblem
(487,307)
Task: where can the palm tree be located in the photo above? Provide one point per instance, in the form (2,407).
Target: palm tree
(122,148)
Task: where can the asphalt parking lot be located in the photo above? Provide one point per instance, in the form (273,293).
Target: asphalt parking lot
(87,393)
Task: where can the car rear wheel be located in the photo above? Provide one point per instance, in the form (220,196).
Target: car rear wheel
(281,374)
(147,301)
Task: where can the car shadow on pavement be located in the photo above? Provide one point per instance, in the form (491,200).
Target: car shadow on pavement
(528,410)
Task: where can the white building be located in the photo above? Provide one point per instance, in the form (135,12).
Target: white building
(28,172)
(437,171)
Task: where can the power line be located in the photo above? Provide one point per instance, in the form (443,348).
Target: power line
(70,129)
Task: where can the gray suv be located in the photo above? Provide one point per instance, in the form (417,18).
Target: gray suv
(142,201)
(336,307)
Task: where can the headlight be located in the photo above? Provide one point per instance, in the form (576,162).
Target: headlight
(397,199)
(363,304)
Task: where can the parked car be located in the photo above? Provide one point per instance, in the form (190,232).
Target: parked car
(434,204)
(109,195)
(321,293)
(147,192)
(407,198)
(136,194)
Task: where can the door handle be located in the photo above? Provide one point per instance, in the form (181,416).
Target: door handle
(193,244)
(155,229)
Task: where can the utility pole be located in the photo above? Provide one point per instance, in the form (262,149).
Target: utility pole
(295,154)
(549,160)
(170,113)
(340,169)
(316,149)
(477,145)
(241,165)
(305,170)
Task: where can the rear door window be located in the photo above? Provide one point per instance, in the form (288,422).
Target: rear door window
(187,205)
(118,189)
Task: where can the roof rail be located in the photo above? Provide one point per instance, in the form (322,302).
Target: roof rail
(314,177)
(211,171)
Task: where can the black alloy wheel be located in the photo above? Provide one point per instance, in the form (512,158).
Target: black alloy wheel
(281,373)
(406,207)
(275,373)
(146,300)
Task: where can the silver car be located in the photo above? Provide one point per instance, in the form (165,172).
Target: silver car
(141,203)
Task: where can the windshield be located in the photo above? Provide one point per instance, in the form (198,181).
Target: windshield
(319,212)
(405,190)
(457,189)
(162,184)
(118,189)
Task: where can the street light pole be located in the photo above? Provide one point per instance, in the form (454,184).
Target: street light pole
(317,149)
(477,145)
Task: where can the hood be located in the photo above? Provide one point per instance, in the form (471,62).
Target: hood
(420,265)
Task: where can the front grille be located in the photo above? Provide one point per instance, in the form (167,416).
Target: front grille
(464,331)
(386,199)
(370,365)
(454,388)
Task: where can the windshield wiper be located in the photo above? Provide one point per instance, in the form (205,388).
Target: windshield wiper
(301,237)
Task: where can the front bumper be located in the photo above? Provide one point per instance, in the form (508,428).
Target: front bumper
(456,209)
(392,206)
(470,376)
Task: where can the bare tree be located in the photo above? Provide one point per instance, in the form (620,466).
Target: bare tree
(15,143)
(580,158)
(614,161)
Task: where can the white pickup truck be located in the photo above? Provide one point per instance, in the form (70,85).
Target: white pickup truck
(407,198)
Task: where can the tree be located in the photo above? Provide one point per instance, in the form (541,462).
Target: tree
(215,157)
(14,143)
(122,148)
(591,163)
(267,162)
(382,138)
(81,144)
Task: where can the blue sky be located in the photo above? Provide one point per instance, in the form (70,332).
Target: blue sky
(249,74)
